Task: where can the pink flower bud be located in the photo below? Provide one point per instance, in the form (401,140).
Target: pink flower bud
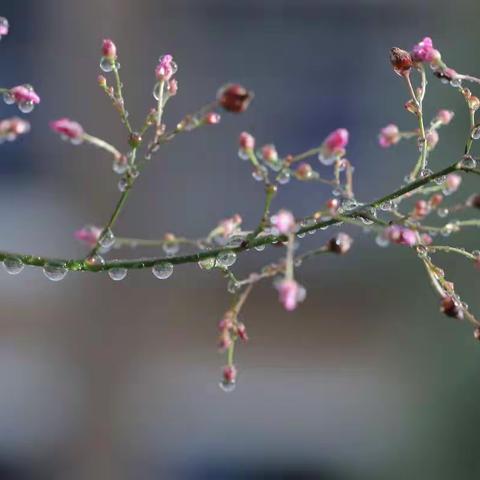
(290,293)
(242,332)
(424,51)
(229,374)
(340,244)
(10,128)
(304,171)
(102,81)
(68,129)
(225,341)
(166,68)
(401,61)
(269,153)
(334,146)
(445,116)
(88,235)
(228,226)
(284,222)
(451,307)
(436,200)
(211,118)
(452,182)
(109,49)
(24,94)
(401,235)
(246,141)
(422,209)
(332,205)
(426,239)
(389,135)
(4,26)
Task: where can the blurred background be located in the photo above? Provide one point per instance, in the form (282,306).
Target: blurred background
(118,381)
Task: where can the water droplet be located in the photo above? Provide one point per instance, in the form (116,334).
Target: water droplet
(8,98)
(162,270)
(232,286)
(381,240)
(55,272)
(476,253)
(95,261)
(227,387)
(475,132)
(260,248)
(442,212)
(326,160)
(387,206)
(349,204)
(123,184)
(337,192)
(283,177)
(259,173)
(301,234)
(226,259)
(107,239)
(467,162)
(106,64)
(422,251)
(447,230)
(207,263)
(425,172)
(456,82)
(117,273)
(440,180)
(171,248)
(243,154)
(26,107)
(13,265)
(119,167)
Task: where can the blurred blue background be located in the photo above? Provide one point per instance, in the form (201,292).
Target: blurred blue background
(109,381)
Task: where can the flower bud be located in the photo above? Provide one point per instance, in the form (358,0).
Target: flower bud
(436,200)
(68,129)
(284,222)
(474,201)
(234,98)
(340,244)
(109,49)
(242,332)
(304,171)
(4,27)
(211,118)
(422,209)
(401,61)
(246,141)
(229,374)
(445,116)
(135,139)
(102,81)
(389,135)
(476,333)
(451,308)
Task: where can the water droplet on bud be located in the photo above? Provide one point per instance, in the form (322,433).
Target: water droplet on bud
(106,64)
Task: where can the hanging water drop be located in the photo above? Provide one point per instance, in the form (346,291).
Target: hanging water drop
(26,107)
(162,270)
(13,265)
(425,172)
(387,206)
(226,259)
(8,98)
(475,134)
(117,273)
(467,162)
(55,272)
(95,261)
(171,248)
(106,64)
(283,177)
(207,263)
(442,212)
(381,240)
(123,184)
(227,387)
(107,239)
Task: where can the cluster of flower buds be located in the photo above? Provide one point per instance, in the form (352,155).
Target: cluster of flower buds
(226,229)
(68,130)
(389,135)
(11,128)
(4,27)
(230,329)
(24,96)
(108,61)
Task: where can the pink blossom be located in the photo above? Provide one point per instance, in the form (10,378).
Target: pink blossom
(401,235)
(10,128)
(334,146)
(304,171)
(452,182)
(426,239)
(290,293)
(4,27)
(445,116)
(68,129)
(284,222)
(166,68)
(88,235)
(246,141)
(424,51)
(109,49)
(389,135)
(24,94)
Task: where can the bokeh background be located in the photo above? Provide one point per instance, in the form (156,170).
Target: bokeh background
(117,381)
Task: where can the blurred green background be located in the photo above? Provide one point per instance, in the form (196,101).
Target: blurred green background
(114,381)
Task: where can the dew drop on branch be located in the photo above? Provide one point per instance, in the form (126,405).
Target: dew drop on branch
(117,273)
(13,265)
(162,270)
(55,272)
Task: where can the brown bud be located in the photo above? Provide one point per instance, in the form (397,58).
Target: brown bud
(134,140)
(234,98)
(474,201)
(451,308)
(340,244)
(401,61)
